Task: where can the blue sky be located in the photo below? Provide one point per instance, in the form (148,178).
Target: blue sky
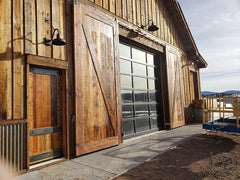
(215,26)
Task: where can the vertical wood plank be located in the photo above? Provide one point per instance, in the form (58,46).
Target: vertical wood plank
(143,15)
(158,19)
(146,10)
(129,11)
(161,20)
(165,23)
(5,61)
(55,22)
(105,4)
(58,10)
(69,80)
(138,11)
(154,15)
(124,9)
(30,34)
(134,15)
(112,6)
(150,9)
(99,2)
(119,8)
(18,57)
(44,31)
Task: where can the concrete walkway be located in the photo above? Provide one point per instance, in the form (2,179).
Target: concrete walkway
(114,161)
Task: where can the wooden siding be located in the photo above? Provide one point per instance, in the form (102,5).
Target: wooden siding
(20,35)
(139,12)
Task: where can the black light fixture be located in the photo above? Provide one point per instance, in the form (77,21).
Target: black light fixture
(152,27)
(57,41)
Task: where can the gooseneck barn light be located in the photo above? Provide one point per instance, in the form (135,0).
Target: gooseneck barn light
(152,27)
(57,41)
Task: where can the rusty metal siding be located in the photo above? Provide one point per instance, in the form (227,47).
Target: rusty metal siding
(13,145)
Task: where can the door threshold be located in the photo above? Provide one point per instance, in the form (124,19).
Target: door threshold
(42,164)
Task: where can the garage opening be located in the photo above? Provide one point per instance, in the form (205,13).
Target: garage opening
(140,90)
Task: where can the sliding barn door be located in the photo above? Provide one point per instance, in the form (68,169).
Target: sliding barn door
(96,80)
(175,98)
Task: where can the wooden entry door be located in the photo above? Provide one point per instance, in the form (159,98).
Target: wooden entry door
(175,97)
(97,87)
(45,112)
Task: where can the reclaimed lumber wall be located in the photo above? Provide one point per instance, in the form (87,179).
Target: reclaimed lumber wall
(139,12)
(21,35)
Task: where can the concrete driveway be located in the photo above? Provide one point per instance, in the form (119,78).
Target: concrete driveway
(111,162)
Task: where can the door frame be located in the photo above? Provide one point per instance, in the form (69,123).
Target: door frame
(55,64)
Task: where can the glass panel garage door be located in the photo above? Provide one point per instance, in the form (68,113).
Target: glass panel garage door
(138,90)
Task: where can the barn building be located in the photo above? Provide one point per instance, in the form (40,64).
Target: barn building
(82,75)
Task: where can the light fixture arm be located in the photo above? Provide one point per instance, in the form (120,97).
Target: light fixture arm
(57,42)
(54,30)
(143,26)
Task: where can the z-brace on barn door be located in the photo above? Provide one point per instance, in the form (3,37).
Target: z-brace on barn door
(175,98)
(96,83)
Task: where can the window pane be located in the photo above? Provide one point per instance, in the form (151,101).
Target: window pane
(124,51)
(141,96)
(128,127)
(127,111)
(126,96)
(151,72)
(142,125)
(126,81)
(152,96)
(125,66)
(151,83)
(138,55)
(140,83)
(153,123)
(150,59)
(153,109)
(141,110)
(139,69)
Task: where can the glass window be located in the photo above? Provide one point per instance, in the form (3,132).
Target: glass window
(126,96)
(142,125)
(153,109)
(152,96)
(139,69)
(125,66)
(151,83)
(139,83)
(141,110)
(150,59)
(151,71)
(138,55)
(126,81)
(128,127)
(124,51)
(141,96)
(127,111)
(154,124)
(138,92)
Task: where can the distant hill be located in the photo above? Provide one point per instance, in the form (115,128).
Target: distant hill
(232,92)
(210,93)
(207,93)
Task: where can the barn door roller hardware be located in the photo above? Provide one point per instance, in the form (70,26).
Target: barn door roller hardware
(57,41)
(152,27)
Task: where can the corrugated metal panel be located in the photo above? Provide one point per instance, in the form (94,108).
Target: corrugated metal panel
(13,145)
